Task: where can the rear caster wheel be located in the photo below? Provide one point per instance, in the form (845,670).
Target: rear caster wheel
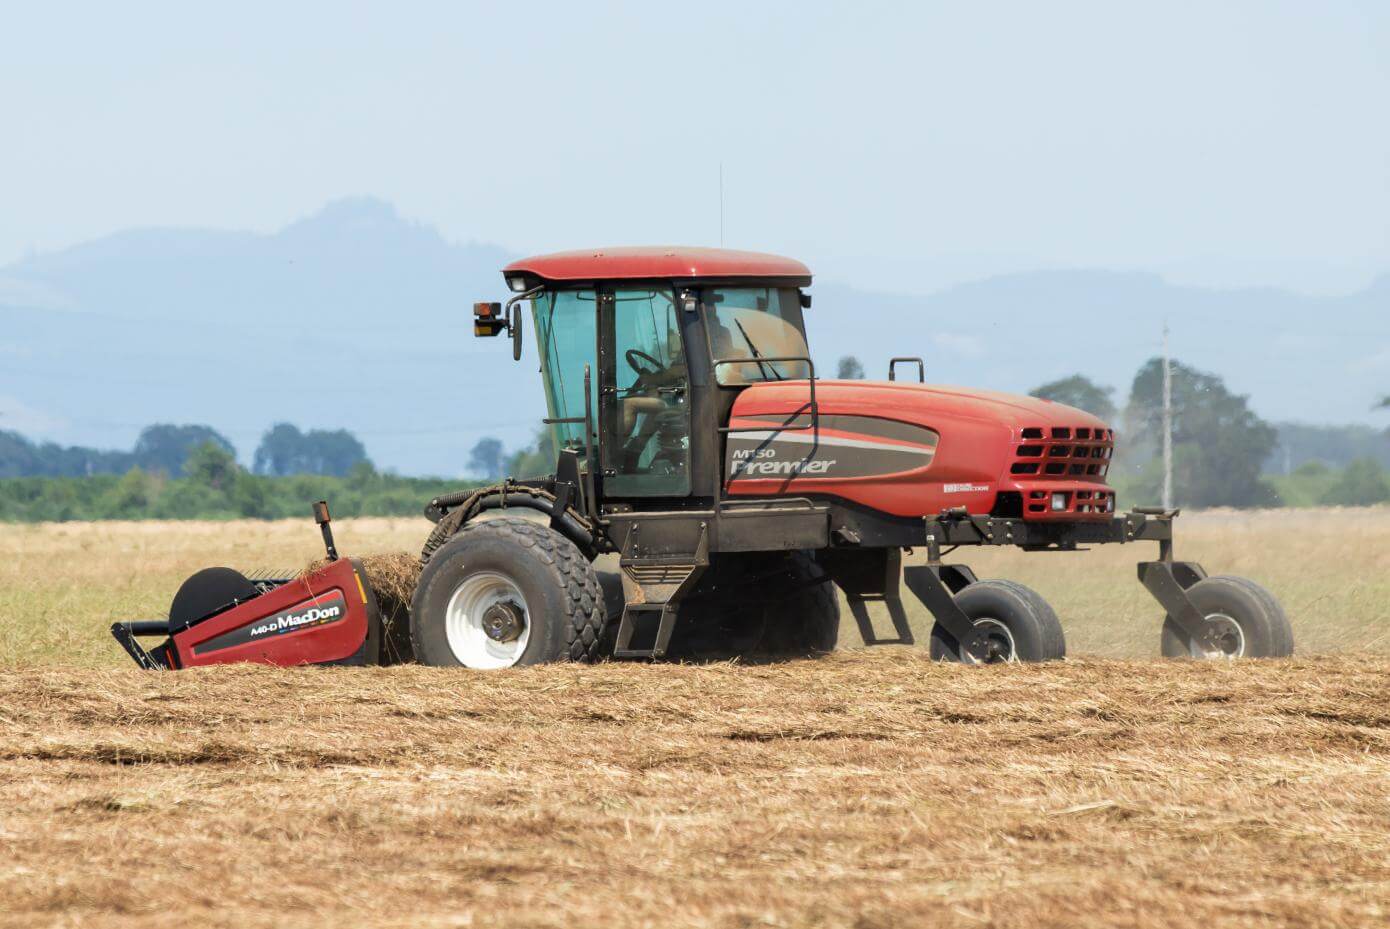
(1018,622)
(1243,621)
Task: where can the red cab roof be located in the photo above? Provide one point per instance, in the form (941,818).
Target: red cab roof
(659,262)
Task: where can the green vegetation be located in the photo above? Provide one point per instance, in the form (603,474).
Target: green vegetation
(284,450)
(1080,392)
(164,447)
(214,488)
(191,472)
(487,458)
(1220,447)
(1362,482)
(1313,484)
(161,447)
(536,461)
(1335,445)
(1219,444)
(1308,485)
(491,462)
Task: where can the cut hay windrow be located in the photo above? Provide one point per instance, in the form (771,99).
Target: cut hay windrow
(392,577)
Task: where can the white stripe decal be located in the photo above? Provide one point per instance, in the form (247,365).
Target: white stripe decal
(806,438)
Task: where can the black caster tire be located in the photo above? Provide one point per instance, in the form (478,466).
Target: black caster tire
(1020,624)
(1248,622)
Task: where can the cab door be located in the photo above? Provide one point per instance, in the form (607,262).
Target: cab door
(644,393)
(567,337)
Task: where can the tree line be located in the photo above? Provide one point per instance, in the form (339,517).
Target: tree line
(1221,448)
(489,460)
(214,487)
(164,447)
(191,472)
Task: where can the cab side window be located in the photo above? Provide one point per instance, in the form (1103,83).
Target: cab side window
(566,322)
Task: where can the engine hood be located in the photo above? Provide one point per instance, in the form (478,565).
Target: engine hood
(917,449)
(918,403)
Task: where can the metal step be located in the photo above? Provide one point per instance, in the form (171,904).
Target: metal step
(652,587)
(656,584)
(666,624)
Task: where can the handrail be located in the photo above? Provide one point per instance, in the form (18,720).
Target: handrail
(730,503)
(591,497)
(921,368)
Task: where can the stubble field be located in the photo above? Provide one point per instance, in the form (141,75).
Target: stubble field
(872,788)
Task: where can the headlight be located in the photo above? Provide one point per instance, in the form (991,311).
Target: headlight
(517,284)
(1059,502)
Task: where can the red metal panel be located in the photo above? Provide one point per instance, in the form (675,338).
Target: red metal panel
(659,262)
(980,432)
(310,620)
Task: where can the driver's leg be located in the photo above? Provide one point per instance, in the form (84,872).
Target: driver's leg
(638,431)
(636,406)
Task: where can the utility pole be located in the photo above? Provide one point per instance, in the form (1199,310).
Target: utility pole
(1167,423)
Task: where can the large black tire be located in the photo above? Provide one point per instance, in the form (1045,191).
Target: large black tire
(803,619)
(1255,624)
(758,606)
(558,594)
(1019,622)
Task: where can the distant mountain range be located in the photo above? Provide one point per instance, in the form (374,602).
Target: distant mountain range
(357,318)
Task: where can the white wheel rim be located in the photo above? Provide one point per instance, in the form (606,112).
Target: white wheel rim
(1223,639)
(998,632)
(466,620)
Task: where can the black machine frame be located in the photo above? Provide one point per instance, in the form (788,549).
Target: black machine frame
(663,552)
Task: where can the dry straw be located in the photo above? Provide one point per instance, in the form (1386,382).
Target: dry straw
(871,790)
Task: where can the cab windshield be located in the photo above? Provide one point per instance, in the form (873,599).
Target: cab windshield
(748,324)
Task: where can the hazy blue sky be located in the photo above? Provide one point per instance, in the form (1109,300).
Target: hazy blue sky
(1218,140)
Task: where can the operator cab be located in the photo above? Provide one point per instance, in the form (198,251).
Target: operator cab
(666,339)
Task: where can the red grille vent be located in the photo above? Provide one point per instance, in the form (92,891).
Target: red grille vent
(1064,452)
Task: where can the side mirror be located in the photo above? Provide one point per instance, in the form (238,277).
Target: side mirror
(487,319)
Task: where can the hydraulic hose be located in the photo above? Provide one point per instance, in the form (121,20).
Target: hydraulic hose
(450,512)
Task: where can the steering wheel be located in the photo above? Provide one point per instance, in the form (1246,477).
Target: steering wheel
(634,355)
